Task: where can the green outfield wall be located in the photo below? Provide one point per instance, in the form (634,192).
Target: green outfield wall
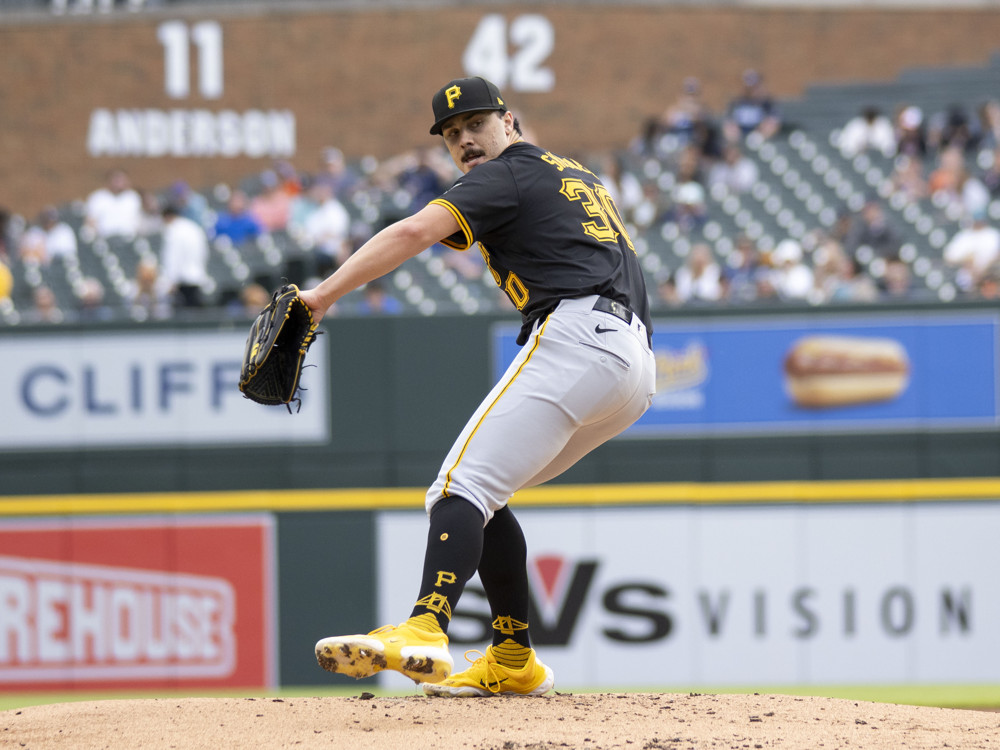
(128,459)
(151,407)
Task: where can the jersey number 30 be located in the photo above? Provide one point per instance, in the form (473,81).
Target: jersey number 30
(607,223)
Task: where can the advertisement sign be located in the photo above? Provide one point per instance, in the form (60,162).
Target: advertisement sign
(836,373)
(689,597)
(178,601)
(152,388)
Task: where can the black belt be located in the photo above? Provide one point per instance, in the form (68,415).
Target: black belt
(617,309)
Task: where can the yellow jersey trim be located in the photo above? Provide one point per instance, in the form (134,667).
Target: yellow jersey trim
(463,225)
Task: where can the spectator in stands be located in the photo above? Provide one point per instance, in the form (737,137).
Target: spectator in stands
(700,278)
(953,188)
(185,258)
(991,175)
(793,279)
(870,130)
(911,137)
(151,213)
(989,124)
(908,178)
(319,221)
(871,228)
(91,305)
(236,221)
(842,227)
(302,207)
(827,258)
(953,127)
(50,237)
(752,111)
(624,186)
(666,290)
(736,171)
(425,176)
(252,299)
(689,119)
(742,280)
(271,207)
(148,297)
(989,285)
(191,204)
(334,171)
(973,251)
(690,211)
(376,301)
(896,284)
(45,309)
(685,111)
(841,278)
(654,208)
(114,210)
(689,165)
(855,283)
(767,291)
(288,177)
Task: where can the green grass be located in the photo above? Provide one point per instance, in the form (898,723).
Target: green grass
(946,696)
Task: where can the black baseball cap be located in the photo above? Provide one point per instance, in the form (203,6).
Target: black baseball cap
(464,95)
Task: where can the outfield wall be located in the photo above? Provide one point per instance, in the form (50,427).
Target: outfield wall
(157,530)
(135,408)
(652,586)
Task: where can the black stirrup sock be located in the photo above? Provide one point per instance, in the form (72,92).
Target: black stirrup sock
(454,546)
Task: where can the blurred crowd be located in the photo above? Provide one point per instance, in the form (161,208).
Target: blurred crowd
(948,161)
(326,213)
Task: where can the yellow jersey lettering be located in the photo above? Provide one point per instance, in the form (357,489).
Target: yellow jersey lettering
(486,257)
(598,204)
(516,290)
(611,211)
(561,162)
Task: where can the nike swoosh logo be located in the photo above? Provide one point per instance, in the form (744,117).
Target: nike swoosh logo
(495,682)
(604,330)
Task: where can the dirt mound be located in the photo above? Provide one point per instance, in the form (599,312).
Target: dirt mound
(626,721)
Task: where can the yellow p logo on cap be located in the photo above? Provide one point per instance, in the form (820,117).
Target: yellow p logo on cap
(452,95)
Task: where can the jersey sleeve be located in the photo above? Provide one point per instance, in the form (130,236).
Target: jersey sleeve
(481,201)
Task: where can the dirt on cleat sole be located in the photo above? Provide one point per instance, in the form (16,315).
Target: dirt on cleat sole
(353,661)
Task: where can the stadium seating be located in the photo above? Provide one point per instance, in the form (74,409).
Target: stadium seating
(805,183)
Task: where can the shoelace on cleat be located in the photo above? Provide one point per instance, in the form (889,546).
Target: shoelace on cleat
(492,679)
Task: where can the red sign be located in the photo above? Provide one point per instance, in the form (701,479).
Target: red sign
(165,602)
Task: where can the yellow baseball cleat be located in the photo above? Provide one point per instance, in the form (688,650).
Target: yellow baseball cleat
(485,678)
(418,654)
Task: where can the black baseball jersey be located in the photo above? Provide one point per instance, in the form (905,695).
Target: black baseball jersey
(548,229)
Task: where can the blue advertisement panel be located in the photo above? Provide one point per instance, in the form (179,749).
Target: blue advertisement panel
(835,373)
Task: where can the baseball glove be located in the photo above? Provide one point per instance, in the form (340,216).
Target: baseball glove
(276,349)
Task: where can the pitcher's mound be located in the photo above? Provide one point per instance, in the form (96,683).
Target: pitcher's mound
(625,721)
